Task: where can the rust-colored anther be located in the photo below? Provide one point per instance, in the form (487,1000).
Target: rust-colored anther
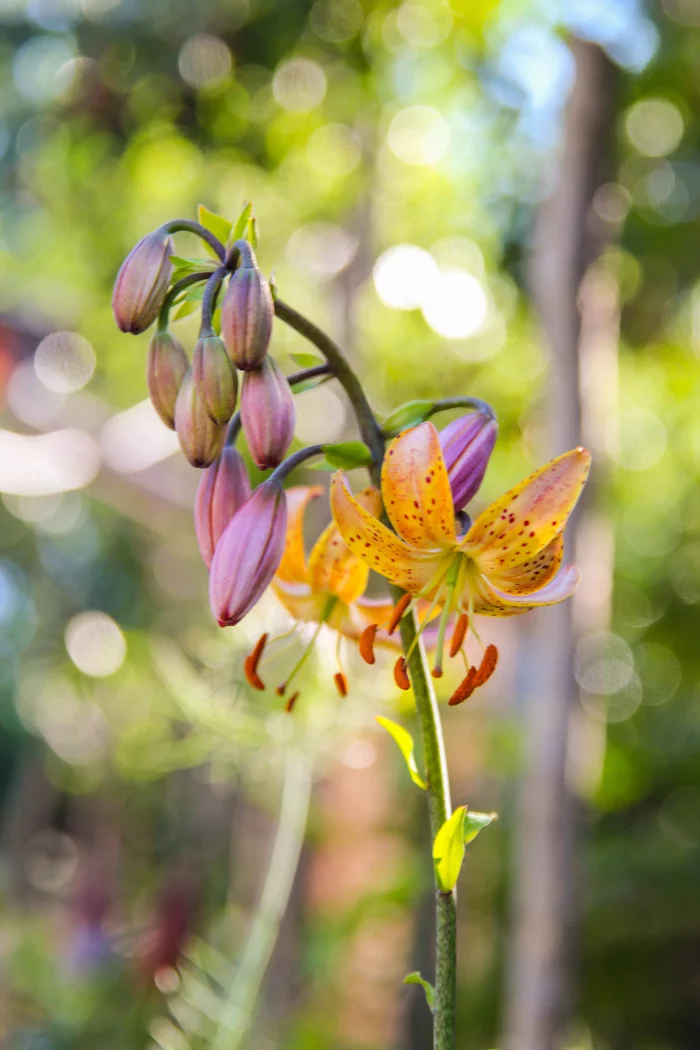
(252,677)
(289,706)
(488,664)
(400,676)
(399,609)
(280,690)
(341,683)
(367,643)
(465,689)
(437,672)
(459,634)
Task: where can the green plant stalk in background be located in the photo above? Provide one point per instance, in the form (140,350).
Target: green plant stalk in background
(439,802)
(236,1015)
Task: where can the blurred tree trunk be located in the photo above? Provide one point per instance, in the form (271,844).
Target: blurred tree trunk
(545,877)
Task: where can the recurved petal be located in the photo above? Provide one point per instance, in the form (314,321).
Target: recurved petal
(384,552)
(374,610)
(293,565)
(416,489)
(299,602)
(533,573)
(524,521)
(334,569)
(494,602)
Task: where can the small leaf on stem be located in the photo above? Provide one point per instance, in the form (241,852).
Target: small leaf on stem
(344,455)
(448,850)
(415,978)
(216,224)
(405,744)
(241,223)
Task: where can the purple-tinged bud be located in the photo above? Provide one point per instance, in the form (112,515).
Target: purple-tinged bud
(215,378)
(248,554)
(223,489)
(246,317)
(167,365)
(467,444)
(267,414)
(201,439)
(142,282)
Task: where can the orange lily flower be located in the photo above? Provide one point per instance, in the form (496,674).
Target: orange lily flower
(327,588)
(507,562)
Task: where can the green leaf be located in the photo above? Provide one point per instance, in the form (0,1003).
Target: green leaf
(307,360)
(238,231)
(415,978)
(252,231)
(408,415)
(319,464)
(190,306)
(216,224)
(345,455)
(404,741)
(448,849)
(181,263)
(476,822)
(311,384)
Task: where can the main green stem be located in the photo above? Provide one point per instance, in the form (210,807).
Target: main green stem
(439,802)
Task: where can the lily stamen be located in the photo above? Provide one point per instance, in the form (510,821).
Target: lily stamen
(366,643)
(399,609)
(282,688)
(289,706)
(400,676)
(341,683)
(488,664)
(250,665)
(465,689)
(459,634)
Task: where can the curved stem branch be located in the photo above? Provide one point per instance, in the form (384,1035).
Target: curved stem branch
(189,226)
(240,1000)
(209,300)
(440,805)
(179,286)
(369,428)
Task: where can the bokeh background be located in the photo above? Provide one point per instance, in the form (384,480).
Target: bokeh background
(498,198)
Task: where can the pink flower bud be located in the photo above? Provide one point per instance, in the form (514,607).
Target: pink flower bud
(223,489)
(466,445)
(167,365)
(267,414)
(201,439)
(248,554)
(142,282)
(246,317)
(215,378)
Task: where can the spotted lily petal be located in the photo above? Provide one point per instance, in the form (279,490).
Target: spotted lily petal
(374,610)
(524,521)
(533,573)
(378,546)
(416,489)
(491,601)
(333,567)
(293,567)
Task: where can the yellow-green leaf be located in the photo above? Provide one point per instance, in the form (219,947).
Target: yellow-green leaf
(404,742)
(190,306)
(416,978)
(305,360)
(216,224)
(476,822)
(448,849)
(240,226)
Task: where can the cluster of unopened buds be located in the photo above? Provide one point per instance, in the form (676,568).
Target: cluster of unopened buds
(416,531)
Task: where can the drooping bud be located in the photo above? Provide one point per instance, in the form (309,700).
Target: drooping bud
(246,315)
(167,365)
(248,554)
(267,414)
(200,438)
(467,444)
(142,282)
(215,378)
(223,489)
